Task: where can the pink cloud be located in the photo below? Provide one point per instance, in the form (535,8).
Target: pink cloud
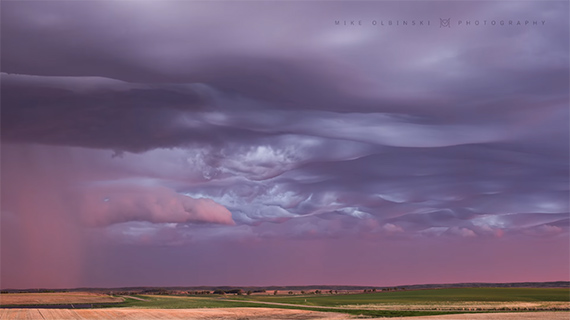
(109,204)
(392,228)
(463,232)
(544,230)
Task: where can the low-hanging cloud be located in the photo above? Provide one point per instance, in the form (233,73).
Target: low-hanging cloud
(110,204)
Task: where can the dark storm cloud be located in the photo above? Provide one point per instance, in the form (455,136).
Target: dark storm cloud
(127,118)
(309,130)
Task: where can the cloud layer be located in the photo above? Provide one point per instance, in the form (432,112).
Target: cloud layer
(180,124)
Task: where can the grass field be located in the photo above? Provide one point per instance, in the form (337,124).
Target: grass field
(183,302)
(425,296)
(453,300)
(380,304)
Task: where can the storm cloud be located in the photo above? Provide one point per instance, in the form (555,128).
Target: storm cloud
(183,124)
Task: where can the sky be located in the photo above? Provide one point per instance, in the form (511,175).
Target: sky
(245,143)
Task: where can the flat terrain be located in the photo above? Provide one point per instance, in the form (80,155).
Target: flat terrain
(56,298)
(143,314)
(425,296)
(499,316)
(468,306)
(242,313)
(461,299)
(434,304)
(216,301)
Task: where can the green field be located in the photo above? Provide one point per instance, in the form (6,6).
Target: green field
(423,296)
(338,303)
(183,302)
(378,304)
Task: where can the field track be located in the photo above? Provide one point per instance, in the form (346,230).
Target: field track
(241,313)
(469,306)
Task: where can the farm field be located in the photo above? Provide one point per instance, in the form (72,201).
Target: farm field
(430,295)
(143,314)
(242,313)
(56,298)
(183,302)
(461,299)
(500,316)
(463,303)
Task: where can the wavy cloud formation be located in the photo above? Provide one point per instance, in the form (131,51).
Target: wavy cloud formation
(185,124)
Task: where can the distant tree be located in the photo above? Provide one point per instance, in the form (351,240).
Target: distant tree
(317,291)
(330,291)
(219,291)
(239,292)
(234,291)
(335,291)
(249,292)
(290,292)
(302,291)
(275,292)
(374,290)
(156,291)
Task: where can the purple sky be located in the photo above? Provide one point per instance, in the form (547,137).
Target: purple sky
(184,143)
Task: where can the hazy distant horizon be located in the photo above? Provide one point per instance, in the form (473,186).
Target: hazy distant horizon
(451,285)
